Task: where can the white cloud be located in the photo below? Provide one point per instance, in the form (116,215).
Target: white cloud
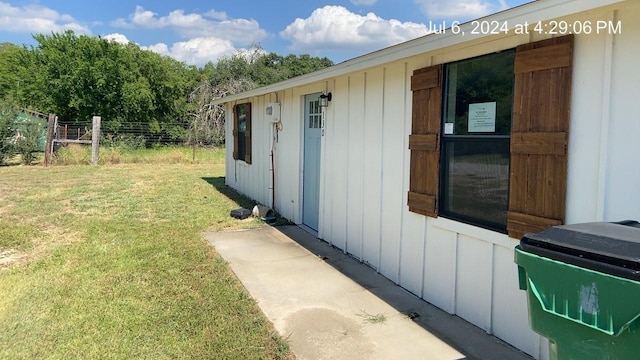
(144,18)
(116,37)
(363,2)
(160,48)
(336,28)
(211,23)
(460,9)
(196,51)
(37,19)
(216,15)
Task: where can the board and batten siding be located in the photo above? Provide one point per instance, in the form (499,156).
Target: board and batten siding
(365,168)
(457,267)
(460,268)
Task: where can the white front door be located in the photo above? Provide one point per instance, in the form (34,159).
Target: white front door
(311,169)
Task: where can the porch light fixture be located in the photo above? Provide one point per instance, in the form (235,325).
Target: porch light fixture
(324,99)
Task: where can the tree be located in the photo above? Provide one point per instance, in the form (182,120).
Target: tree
(7,130)
(78,77)
(207,121)
(12,76)
(241,72)
(261,67)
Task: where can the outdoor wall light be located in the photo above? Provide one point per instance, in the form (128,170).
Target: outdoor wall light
(324,99)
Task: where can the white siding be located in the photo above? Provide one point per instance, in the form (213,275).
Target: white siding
(622,199)
(441,254)
(473,280)
(392,155)
(336,188)
(287,159)
(355,164)
(584,139)
(372,166)
(470,272)
(460,268)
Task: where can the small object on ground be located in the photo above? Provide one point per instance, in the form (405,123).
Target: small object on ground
(241,213)
(413,315)
(265,213)
(269,219)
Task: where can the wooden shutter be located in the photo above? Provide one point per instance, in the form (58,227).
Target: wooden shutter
(426,85)
(542,99)
(235,132)
(247,134)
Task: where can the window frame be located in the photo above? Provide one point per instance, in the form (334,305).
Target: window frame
(246,155)
(442,191)
(445,139)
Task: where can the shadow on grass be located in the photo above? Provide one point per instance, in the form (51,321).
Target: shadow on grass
(243,202)
(229,192)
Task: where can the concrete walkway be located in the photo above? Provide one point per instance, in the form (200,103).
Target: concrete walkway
(329,306)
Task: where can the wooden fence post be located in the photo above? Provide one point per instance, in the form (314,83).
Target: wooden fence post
(95,140)
(48,147)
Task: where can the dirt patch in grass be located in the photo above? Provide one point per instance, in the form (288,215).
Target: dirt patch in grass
(9,257)
(36,247)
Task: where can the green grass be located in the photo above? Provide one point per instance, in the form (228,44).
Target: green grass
(75,154)
(372,319)
(114,266)
(16,236)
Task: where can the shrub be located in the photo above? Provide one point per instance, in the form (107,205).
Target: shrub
(124,142)
(73,154)
(27,141)
(7,131)
(114,156)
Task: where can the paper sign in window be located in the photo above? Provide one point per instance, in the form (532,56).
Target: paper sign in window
(448,128)
(482,117)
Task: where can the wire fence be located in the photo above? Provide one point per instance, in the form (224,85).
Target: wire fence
(134,134)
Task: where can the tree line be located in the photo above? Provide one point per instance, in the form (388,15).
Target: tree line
(79,76)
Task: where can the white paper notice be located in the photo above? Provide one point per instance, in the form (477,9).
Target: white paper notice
(482,117)
(448,128)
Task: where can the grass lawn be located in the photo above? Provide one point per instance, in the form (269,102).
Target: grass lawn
(109,262)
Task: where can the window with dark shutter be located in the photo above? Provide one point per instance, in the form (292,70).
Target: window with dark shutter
(537,141)
(542,99)
(235,133)
(247,134)
(426,85)
(242,132)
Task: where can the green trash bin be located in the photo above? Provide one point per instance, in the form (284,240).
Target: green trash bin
(583,289)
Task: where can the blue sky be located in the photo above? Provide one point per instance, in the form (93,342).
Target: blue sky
(199,31)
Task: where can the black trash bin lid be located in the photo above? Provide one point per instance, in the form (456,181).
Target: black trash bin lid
(611,248)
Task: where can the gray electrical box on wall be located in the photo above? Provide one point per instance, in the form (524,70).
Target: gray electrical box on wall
(273,112)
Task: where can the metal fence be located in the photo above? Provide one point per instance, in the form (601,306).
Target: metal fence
(129,134)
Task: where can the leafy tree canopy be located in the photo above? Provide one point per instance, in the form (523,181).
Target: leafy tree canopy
(78,76)
(262,68)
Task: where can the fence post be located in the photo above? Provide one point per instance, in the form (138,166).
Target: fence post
(48,147)
(95,140)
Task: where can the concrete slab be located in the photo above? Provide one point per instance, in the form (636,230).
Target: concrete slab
(330,306)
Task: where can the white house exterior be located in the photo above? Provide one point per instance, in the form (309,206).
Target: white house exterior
(346,173)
